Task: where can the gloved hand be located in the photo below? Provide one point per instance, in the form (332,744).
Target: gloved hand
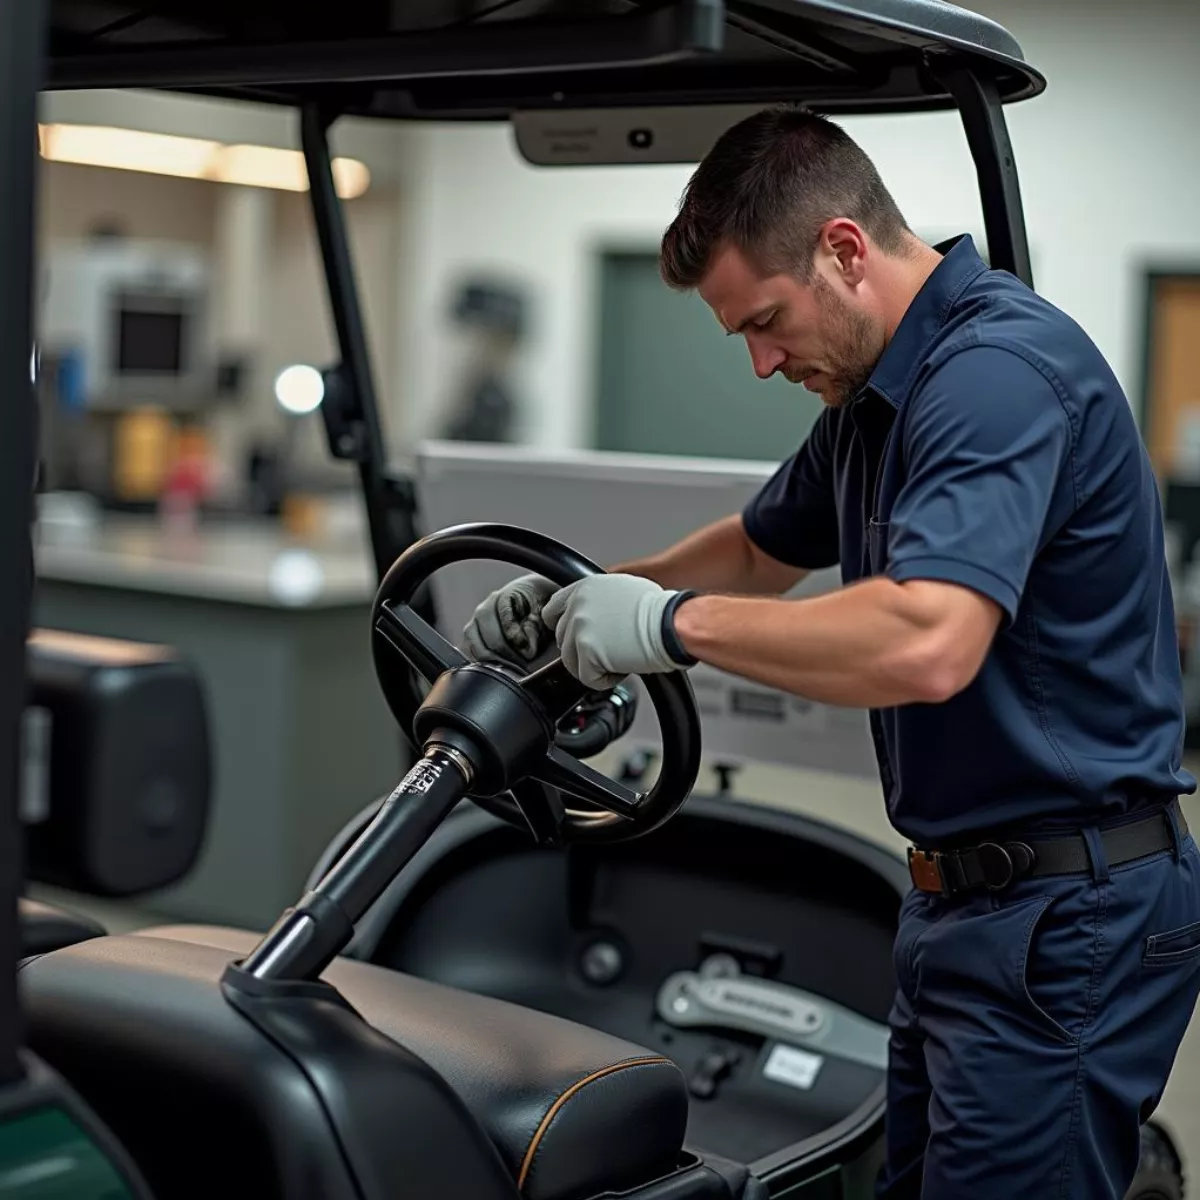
(610,626)
(509,625)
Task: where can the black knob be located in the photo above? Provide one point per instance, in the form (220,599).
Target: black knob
(725,772)
(634,769)
(602,963)
(710,1070)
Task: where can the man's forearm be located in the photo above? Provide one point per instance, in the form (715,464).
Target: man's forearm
(717,558)
(875,644)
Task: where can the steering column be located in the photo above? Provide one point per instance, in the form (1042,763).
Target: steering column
(482,734)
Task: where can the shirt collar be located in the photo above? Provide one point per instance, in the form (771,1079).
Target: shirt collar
(960,267)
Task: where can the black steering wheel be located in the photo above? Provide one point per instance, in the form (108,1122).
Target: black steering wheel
(527,792)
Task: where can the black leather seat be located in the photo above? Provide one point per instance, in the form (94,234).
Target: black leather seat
(45,927)
(573,1112)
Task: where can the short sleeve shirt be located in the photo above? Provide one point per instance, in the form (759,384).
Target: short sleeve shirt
(993,449)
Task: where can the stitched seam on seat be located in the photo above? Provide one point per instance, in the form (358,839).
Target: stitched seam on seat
(557,1106)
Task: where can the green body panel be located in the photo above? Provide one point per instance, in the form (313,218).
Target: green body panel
(46,1155)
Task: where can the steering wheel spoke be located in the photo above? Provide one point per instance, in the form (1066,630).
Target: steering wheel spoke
(417,642)
(555,689)
(573,778)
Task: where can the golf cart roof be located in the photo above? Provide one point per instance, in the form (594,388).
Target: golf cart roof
(488,59)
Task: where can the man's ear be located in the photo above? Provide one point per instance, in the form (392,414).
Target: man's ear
(846,245)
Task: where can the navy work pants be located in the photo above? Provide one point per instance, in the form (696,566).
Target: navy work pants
(1034,1030)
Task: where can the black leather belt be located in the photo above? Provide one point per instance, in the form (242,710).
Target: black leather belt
(992,866)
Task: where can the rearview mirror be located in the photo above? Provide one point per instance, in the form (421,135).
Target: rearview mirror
(606,136)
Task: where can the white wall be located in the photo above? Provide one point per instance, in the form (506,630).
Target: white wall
(73,199)
(1109,159)
(474,206)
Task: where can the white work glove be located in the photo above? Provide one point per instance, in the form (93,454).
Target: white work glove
(610,626)
(508,624)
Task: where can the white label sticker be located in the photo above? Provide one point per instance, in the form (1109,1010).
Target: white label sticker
(421,778)
(796,1068)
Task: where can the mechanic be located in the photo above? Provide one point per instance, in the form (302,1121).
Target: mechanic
(1006,618)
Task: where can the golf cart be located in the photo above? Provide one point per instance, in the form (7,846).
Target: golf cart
(470,999)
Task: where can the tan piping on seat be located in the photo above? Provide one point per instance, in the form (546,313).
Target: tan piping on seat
(548,1119)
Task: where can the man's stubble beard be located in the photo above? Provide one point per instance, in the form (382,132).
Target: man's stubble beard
(856,345)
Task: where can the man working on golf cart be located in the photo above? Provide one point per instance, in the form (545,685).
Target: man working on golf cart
(1007,620)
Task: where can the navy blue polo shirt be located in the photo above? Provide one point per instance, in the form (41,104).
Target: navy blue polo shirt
(993,448)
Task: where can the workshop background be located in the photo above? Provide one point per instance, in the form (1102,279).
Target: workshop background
(508,304)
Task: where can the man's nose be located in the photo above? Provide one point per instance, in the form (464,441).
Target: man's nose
(765,358)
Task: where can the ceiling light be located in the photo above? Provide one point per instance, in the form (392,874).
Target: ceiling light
(350,177)
(260,166)
(193,158)
(127,149)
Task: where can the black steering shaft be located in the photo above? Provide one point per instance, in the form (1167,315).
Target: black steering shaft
(312,933)
(481,731)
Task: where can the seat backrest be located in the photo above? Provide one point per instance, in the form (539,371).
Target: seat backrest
(309,1104)
(562,1110)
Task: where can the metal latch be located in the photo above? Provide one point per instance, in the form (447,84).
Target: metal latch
(719,997)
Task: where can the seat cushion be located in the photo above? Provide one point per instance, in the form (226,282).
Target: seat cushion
(45,927)
(573,1112)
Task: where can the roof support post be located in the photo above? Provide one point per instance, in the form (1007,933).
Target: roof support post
(351,408)
(21,34)
(999,188)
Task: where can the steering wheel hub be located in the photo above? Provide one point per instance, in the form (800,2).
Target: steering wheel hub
(491,720)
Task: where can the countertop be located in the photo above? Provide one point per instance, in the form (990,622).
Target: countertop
(242,561)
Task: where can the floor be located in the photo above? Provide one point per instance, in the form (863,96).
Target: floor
(839,800)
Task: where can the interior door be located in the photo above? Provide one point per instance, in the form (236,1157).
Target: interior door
(671,382)
(1171,416)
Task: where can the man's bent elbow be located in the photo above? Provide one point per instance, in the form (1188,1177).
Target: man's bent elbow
(935,671)
(951,630)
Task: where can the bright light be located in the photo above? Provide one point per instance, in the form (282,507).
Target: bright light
(260,166)
(299,389)
(350,177)
(295,577)
(193,158)
(128,149)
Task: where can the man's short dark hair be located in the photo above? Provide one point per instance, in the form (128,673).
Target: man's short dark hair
(767,187)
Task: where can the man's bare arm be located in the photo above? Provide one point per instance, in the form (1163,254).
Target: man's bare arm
(875,644)
(717,558)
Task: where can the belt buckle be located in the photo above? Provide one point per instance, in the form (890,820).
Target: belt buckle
(925,868)
(992,853)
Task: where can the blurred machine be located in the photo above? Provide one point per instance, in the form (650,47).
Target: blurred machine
(494,315)
(129,320)
(117,770)
(116,777)
(127,366)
